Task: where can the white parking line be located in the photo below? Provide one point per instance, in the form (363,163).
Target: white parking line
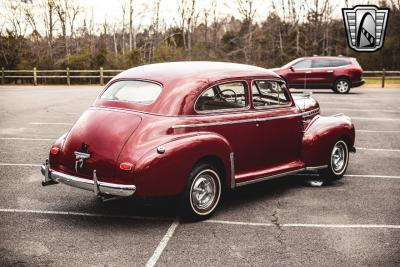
(84,214)
(50,123)
(163,243)
(27,139)
(378,149)
(374,119)
(20,164)
(377,131)
(362,110)
(354,175)
(307,225)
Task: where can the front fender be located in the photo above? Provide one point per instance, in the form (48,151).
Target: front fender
(158,174)
(321,135)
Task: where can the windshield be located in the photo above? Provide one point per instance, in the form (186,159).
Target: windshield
(140,92)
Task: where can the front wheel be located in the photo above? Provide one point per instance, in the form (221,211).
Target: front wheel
(339,160)
(342,86)
(202,193)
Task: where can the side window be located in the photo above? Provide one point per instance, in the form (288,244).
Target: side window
(303,64)
(321,63)
(230,95)
(339,62)
(268,93)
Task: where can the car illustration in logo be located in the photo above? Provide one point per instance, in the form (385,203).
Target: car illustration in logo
(365,27)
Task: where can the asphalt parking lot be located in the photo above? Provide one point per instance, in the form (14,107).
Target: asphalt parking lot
(354,222)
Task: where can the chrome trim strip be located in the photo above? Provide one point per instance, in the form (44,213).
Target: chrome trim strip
(206,124)
(86,184)
(232,161)
(265,178)
(315,168)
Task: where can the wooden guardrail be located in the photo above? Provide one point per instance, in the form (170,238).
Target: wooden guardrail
(101,74)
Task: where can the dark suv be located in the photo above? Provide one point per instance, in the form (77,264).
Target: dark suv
(336,73)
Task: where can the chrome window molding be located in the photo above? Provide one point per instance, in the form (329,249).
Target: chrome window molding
(219,111)
(207,124)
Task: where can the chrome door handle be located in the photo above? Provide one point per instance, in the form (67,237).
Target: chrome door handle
(329,71)
(308,72)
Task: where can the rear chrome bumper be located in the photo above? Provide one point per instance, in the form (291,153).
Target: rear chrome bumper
(98,187)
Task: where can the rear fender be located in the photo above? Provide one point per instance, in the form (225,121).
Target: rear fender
(321,135)
(157,174)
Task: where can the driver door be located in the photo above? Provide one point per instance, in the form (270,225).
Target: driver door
(280,126)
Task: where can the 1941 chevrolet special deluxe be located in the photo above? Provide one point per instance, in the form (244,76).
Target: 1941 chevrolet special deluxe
(195,129)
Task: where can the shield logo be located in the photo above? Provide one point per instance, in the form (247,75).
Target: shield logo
(365,27)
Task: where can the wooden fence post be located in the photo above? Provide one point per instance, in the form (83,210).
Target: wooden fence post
(383,78)
(2,75)
(101,76)
(34,76)
(68,77)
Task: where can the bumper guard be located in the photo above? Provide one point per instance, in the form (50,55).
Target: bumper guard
(98,187)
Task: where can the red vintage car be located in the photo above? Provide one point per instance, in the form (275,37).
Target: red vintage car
(195,129)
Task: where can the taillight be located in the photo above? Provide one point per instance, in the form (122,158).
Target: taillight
(126,166)
(54,150)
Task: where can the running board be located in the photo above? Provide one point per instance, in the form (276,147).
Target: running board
(269,177)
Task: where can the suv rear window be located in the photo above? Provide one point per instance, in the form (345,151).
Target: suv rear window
(339,62)
(139,92)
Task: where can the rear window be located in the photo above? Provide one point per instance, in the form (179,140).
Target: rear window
(339,62)
(139,92)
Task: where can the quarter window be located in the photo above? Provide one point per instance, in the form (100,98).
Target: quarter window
(269,93)
(223,96)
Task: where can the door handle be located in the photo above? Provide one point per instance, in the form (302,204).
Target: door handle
(329,71)
(308,72)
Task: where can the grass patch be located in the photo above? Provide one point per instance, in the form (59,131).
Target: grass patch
(379,81)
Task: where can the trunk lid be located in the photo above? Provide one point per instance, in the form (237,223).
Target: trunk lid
(101,134)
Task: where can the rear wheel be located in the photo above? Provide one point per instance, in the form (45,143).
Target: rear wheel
(339,160)
(341,86)
(202,193)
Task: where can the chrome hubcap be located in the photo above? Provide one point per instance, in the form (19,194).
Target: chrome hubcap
(342,86)
(339,157)
(203,191)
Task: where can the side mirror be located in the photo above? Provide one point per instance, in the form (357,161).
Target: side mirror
(291,68)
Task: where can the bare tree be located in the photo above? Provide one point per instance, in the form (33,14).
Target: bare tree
(246,9)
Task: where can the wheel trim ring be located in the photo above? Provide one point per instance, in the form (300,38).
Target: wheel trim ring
(339,148)
(342,86)
(215,201)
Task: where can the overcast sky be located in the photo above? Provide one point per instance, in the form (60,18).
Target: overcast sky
(111,10)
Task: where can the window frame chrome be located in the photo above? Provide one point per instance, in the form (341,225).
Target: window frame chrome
(273,106)
(133,80)
(219,111)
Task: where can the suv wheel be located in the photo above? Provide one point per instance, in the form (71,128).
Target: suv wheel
(342,86)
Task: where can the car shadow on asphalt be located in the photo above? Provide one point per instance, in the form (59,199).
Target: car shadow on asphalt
(167,208)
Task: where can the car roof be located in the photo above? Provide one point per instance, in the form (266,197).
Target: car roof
(327,57)
(183,81)
(190,71)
